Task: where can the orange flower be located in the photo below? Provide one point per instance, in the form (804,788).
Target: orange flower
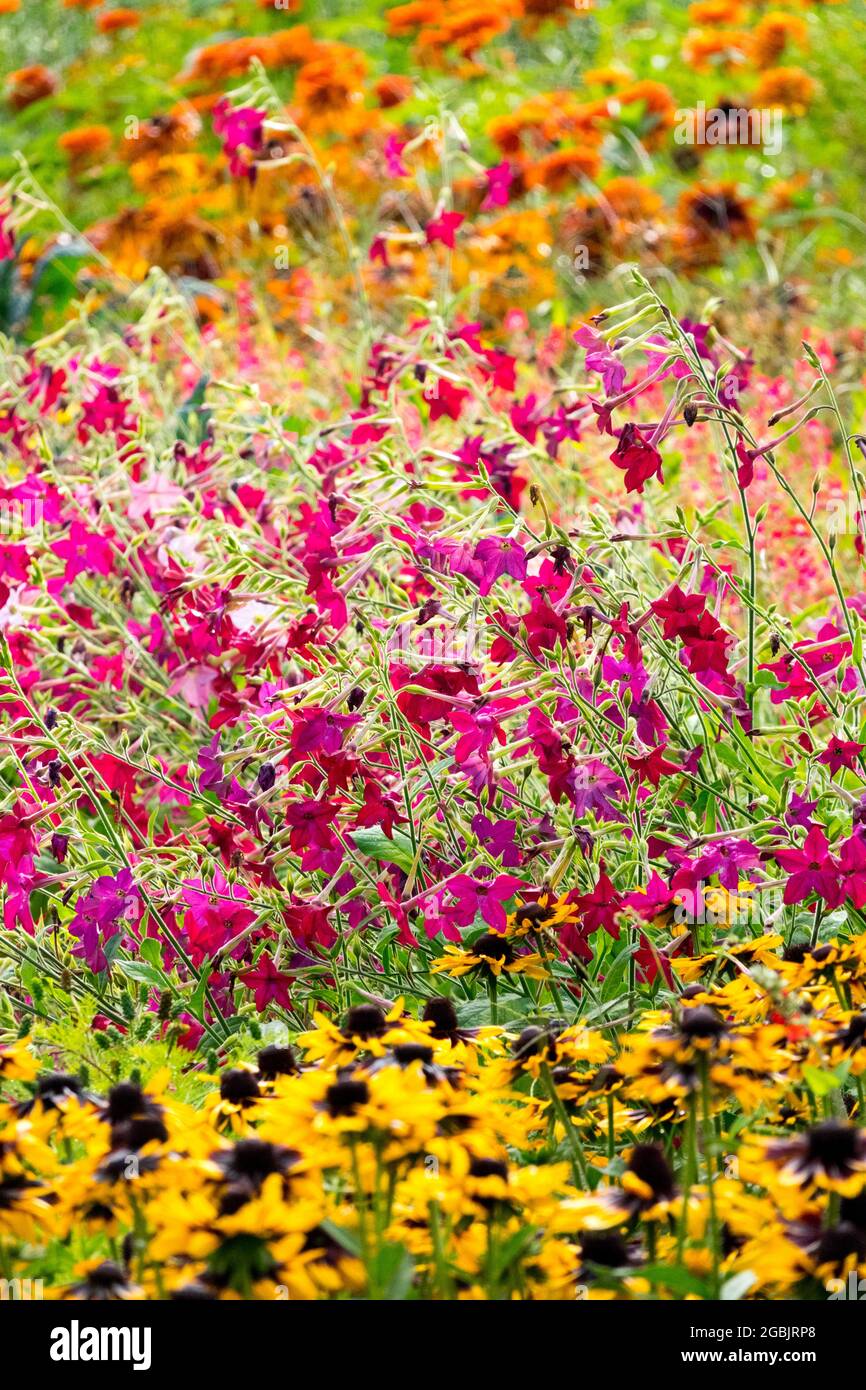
(790,88)
(168,234)
(555,170)
(631,200)
(111,21)
(551,117)
(715,48)
(617,224)
(10,6)
(660,109)
(536,10)
(466,25)
(232,57)
(27,85)
(331,79)
(769,38)
(159,135)
(391,90)
(720,12)
(611,76)
(85,143)
(403,19)
(709,215)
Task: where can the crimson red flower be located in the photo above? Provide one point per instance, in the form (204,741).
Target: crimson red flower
(679,612)
(267,984)
(839,754)
(637,457)
(599,908)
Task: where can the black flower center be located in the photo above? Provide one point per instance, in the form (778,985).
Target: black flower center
(276,1061)
(604,1248)
(494,947)
(344,1097)
(701,1022)
(238,1086)
(833,1145)
(649,1164)
(442,1014)
(364,1021)
(406,1053)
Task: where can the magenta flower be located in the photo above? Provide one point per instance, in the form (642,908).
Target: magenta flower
(319,730)
(811,869)
(498,839)
(729,859)
(591,787)
(499,180)
(497,556)
(799,811)
(393,153)
(485,898)
(600,359)
(526,417)
(18,842)
(213,915)
(852,871)
(477,729)
(240,130)
(111,904)
(443,228)
(84,551)
(7,241)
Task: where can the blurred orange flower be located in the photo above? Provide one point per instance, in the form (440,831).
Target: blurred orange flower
(719,48)
(711,12)
(111,21)
(26,85)
(85,143)
(161,134)
(392,89)
(232,57)
(708,216)
(404,18)
(332,78)
(555,170)
(790,88)
(772,34)
(611,76)
(659,106)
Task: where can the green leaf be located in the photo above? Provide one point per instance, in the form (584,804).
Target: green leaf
(392,1271)
(821,1083)
(151,951)
(376,845)
(141,971)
